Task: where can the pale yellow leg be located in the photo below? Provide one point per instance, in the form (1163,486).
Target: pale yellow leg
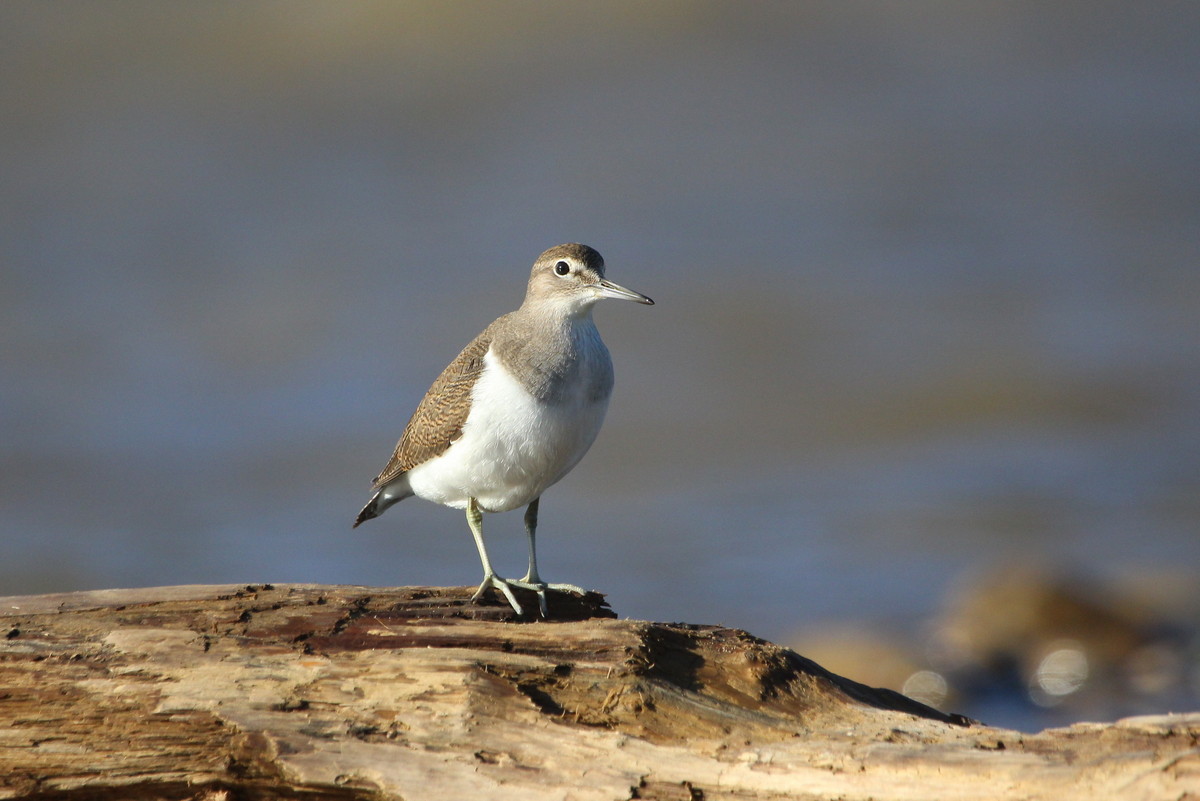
(532,581)
(490,579)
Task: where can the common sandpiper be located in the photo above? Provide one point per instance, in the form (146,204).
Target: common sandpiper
(514,412)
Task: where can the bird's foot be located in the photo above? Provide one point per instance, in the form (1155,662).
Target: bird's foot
(492,580)
(540,588)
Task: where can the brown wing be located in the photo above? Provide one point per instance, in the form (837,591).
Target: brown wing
(440,416)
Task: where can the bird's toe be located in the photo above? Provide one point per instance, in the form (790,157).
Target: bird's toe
(494,581)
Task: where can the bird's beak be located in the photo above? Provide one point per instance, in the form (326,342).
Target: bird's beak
(610,290)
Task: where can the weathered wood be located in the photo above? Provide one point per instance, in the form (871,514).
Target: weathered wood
(315,692)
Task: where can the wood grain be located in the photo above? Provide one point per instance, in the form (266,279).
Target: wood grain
(321,692)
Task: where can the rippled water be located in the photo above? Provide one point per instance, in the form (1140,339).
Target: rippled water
(926,279)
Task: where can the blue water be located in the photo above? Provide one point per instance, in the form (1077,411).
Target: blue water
(926,279)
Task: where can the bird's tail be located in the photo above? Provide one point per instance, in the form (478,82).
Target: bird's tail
(375,507)
(371,510)
(380,502)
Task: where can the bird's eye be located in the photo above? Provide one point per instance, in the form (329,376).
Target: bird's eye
(562,268)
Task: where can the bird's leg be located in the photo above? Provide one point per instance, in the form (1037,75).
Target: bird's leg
(532,581)
(490,579)
(531,513)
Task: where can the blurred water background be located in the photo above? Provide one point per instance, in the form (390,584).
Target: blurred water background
(928,301)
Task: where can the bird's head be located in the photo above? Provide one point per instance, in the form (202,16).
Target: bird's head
(571,277)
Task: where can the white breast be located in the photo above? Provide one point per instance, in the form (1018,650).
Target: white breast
(513,446)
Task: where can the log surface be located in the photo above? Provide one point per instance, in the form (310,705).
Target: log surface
(321,692)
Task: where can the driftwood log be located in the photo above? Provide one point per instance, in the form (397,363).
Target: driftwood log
(317,692)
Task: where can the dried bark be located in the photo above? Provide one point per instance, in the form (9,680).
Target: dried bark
(317,692)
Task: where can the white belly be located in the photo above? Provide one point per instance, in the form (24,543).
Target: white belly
(512,447)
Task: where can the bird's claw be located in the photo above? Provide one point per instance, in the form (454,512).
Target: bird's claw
(540,588)
(492,580)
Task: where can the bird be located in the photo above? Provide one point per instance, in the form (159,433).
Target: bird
(514,412)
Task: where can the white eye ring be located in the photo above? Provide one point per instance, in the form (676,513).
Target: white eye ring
(562,268)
